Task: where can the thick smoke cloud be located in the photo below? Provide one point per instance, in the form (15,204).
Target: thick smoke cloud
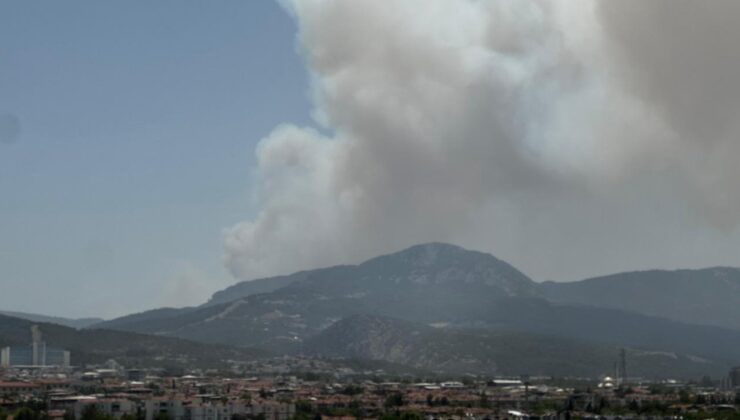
(570,138)
(682,59)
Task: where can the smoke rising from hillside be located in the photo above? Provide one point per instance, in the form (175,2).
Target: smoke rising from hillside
(570,138)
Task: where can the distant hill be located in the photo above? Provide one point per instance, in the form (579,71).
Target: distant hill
(438,307)
(425,283)
(254,287)
(434,284)
(139,320)
(441,266)
(130,349)
(450,351)
(151,320)
(67,322)
(708,296)
(609,326)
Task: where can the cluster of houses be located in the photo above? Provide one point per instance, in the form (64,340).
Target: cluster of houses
(118,393)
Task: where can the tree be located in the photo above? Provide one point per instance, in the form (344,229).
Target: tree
(569,405)
(603,404)
(683,396)
(92,413)
(247,397)
(25,413)
(394,400)
(484,403)
(405,415)
(634,406)
(352,390)
(355,408)
(411,415)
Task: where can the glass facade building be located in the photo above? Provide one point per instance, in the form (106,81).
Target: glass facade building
(36,354)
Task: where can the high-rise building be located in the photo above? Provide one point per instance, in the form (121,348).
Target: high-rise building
(735,377)
(36,354)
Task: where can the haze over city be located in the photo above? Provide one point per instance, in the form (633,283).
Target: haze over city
(366,209)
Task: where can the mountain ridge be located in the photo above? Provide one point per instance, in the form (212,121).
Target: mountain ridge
(430,284)
(68,322)
(707,296)
(368,286)
(470,351)
(132,349)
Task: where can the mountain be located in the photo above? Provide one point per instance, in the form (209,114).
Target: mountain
(708,296)
(440,285)
(139,320)
(67,322)
(450,351)
(610,326)
(439,265)
(149,320)
(254,287)
(130,349)
(426,283)
(430,284)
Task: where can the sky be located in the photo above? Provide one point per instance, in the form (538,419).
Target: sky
(154,152)
(137,125)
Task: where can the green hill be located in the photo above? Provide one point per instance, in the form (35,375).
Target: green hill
(130,349)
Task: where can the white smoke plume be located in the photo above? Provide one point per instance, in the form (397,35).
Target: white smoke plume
(570,138)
